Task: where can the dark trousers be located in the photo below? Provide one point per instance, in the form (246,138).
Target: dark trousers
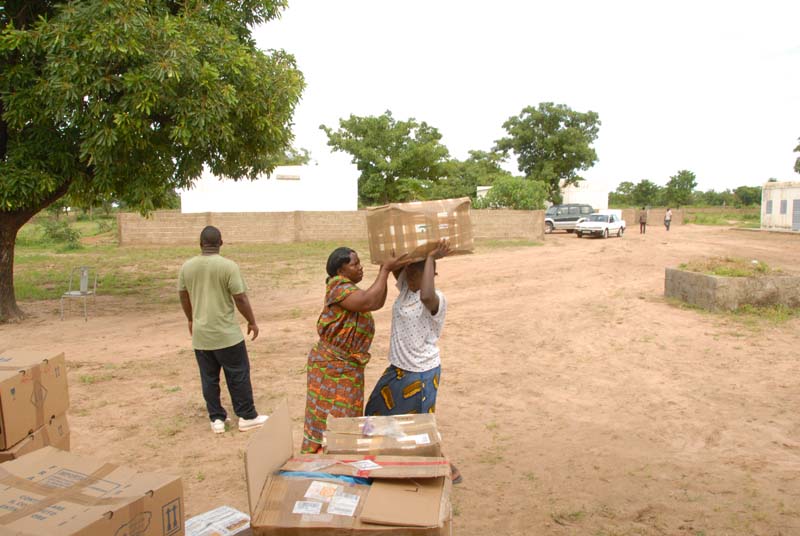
(234,361)
(642,227)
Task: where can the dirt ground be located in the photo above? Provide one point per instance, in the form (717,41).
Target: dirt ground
(575,399)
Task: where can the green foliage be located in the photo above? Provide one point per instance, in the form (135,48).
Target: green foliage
(128,100)
(60,231)
(797,162)
(551,144)
(728,267)
(131,98)
(294,157)
(646,193)
(515,193)
(398,160)
(679,188)
(463,178)
(747,196)
(739,219)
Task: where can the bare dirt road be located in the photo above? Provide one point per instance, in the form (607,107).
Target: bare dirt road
(575,399)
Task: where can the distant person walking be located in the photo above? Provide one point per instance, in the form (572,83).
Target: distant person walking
(209,286)
(643,221)
(668,218)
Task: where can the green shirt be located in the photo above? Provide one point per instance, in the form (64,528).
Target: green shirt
(212,281)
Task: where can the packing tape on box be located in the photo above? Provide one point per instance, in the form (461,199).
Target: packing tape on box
(53,496)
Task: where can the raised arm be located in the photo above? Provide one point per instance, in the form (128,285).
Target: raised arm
(427,290)
(374,297)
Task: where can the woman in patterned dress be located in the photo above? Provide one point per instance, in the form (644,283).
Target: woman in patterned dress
(345,327)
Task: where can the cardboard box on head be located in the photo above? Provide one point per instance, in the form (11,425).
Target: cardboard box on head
(415,228)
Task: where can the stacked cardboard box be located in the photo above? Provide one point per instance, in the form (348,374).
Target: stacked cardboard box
(33,402)
(397,435)
(342,494)
(51,491)
(415,228)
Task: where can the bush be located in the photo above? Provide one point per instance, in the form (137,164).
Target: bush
(60,231)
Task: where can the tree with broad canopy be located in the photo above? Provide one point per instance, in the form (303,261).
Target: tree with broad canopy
(552,143)
(130,99)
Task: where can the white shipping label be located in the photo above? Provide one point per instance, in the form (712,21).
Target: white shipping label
(321,491)
(419,439)
(366,465)
(343,504)
(307,507)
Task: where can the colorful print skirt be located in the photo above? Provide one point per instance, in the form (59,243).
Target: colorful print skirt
(399,392)
(335,387)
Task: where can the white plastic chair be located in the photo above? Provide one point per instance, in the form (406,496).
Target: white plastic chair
(84,274)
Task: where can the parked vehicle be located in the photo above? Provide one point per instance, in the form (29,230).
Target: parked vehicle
(565,217)
(604,223)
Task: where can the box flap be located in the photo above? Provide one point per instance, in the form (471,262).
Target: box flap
(370,466)
(268,449)
(12,361)
(414,503)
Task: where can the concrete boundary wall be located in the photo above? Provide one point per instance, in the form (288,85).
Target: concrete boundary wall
(729,293)
(174,228)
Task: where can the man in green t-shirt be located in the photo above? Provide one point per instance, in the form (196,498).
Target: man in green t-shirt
(209,287)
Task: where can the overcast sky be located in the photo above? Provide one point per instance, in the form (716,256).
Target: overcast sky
(708,86)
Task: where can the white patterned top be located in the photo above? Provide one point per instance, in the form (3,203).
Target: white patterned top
(415,331)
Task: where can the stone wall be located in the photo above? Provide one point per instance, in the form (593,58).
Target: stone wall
(729,293)
(174,228)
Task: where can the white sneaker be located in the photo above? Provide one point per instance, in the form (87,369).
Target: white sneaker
(250,424)
(218,426)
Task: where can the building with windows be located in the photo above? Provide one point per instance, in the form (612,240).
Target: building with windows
(780,206)
(287,189)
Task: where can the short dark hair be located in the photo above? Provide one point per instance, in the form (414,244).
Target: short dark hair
(210,236)
(418,266)
(338,258)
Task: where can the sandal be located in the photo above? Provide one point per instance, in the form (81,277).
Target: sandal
(455,474)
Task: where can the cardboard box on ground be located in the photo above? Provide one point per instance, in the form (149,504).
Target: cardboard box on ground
(415,228)
(51,491)
(343,494)
(55,432)
(397,435)
(33,402)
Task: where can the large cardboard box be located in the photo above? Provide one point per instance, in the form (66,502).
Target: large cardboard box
(415,228)
(33,388)
(302,495)
(395,435)
(55,432)
(51,491)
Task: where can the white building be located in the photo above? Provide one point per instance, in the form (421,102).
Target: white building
(780,206)
(287,189)
(586,192)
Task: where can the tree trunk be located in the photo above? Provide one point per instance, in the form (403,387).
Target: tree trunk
(9,226)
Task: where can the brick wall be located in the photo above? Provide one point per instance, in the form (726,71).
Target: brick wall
(173,228)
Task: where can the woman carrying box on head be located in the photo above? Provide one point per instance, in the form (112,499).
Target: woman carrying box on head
(345,327)
(410,383)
